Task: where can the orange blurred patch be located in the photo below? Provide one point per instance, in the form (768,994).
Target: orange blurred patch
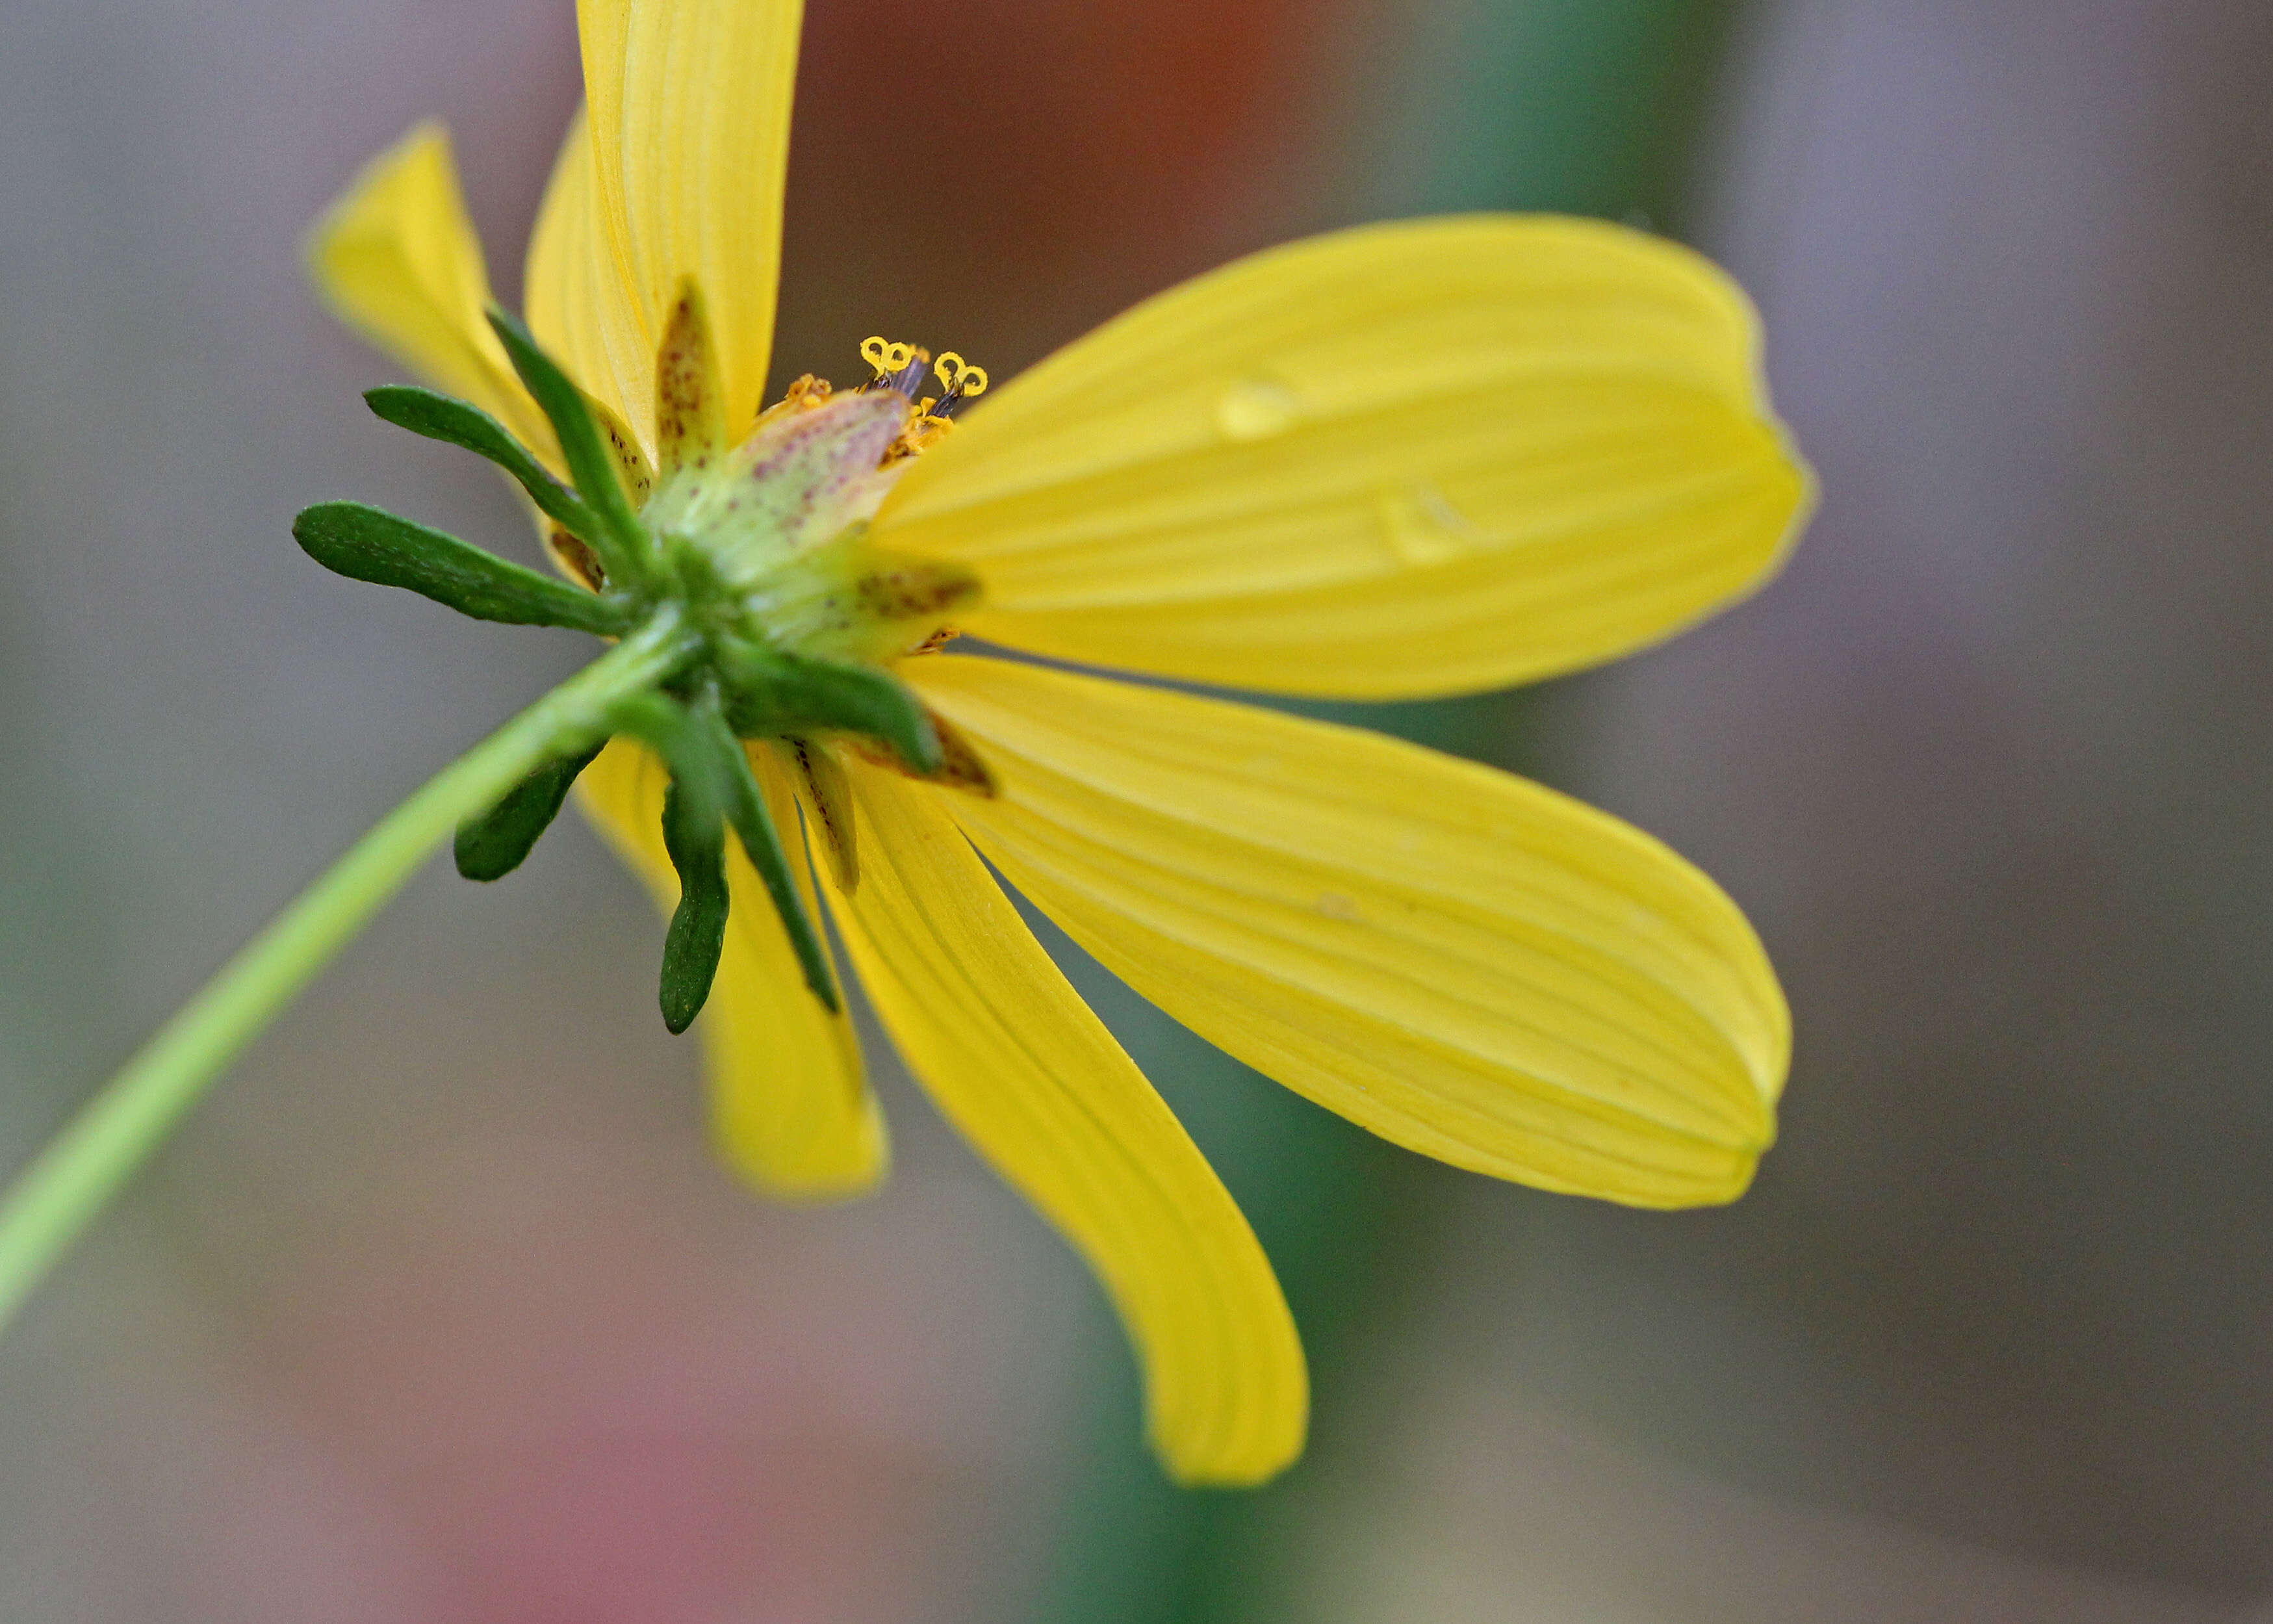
(1017,170)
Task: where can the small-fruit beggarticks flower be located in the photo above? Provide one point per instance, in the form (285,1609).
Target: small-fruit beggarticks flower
(1415,459)
(1409,460)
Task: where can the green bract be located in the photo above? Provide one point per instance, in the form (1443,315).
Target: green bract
(757,550)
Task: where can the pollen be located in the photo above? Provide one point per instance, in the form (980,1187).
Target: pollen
(808,394)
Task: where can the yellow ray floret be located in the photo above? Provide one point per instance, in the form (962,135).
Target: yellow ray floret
(579,307)
(1019,1063)
(689,107)
(398,260)
(1462,961)
(1423,458)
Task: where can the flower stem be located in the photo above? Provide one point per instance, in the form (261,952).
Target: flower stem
(75,1177)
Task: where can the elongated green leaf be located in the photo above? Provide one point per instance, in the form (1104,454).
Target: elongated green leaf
(622,542)
(493,844)
(694,836)
(369,544)
(696,839)
(745,810)
(777,694)
(459,423)
(710,772)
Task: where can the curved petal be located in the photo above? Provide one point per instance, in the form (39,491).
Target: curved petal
(1429,457)
(689,103)
(790,1106)
(1468,964)
(577,304)
(397,259)
(1019,1063)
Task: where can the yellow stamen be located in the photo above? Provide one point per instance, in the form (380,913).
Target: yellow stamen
(923,432)
(959,376)
(805,395)
(886,357)
(808,392)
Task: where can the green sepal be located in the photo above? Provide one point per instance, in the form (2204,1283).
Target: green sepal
(622,542)
(493,844)
(772,695)
(460,423)
(696,837)
(745,810)
(710,768)
(369,544)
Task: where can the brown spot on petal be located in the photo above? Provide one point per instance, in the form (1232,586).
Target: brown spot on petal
(829,797)
(689,415)
(915,591)
(962,767)
(631,462)
(576,559)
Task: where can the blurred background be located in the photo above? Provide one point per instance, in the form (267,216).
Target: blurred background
(436,1312)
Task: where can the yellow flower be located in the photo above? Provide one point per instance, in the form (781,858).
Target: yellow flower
(1415,459)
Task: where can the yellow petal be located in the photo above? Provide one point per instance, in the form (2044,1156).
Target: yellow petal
(1019,1063)
(1430,457)
(1468,964)
(578,306)
(826,793)
(789,1107)
(689,103)
(398,261)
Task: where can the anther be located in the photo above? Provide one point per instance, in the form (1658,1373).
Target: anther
(961,380)
(887,358)
(900,367)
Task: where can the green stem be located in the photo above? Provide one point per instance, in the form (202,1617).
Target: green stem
(75,1177)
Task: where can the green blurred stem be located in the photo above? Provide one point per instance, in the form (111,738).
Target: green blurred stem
(78,1173)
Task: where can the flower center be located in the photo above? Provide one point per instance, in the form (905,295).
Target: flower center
(766,541)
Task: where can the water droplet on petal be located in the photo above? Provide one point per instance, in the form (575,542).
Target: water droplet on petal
(1256,408)
(1425,528)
